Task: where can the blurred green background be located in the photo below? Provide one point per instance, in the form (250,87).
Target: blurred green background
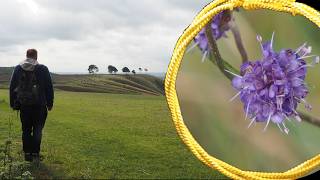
(220,126)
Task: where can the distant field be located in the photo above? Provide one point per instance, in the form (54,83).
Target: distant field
(99,135)
(101,83)
(119,84)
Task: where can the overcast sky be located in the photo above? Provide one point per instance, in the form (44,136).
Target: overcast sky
(71,34)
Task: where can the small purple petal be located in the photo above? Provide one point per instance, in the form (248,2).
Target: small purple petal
(296,82)
(277,118)
(246,67)
(258,84)
(272,91)
(237,83)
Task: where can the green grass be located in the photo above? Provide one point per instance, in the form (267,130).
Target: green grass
(92,135)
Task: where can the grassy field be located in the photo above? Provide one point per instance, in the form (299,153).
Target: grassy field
(96,135)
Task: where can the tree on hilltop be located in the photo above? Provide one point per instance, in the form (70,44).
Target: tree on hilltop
(93,69)
(112,69)
(126,70)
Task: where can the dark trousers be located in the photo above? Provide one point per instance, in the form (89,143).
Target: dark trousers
(33,119)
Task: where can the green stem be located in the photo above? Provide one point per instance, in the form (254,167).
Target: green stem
(215,52)
(309,119)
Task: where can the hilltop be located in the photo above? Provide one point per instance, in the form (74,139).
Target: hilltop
(6,70)
(101,83)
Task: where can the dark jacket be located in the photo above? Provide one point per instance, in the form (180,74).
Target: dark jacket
(44,80)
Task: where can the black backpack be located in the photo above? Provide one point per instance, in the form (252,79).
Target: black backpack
(28,89)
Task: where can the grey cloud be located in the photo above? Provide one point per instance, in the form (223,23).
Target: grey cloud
(118,32)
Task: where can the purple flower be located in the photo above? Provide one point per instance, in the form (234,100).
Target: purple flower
(220,24)
(272,87)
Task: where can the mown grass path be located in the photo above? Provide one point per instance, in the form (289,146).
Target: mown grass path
(91,135)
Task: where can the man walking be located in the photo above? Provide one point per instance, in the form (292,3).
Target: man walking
(31,92)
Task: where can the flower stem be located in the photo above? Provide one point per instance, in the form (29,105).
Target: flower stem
(215,52)
(240,46)
(310,119)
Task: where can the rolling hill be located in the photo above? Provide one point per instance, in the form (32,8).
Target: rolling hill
(100,83)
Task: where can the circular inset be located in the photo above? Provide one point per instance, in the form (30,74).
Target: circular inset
(204,75)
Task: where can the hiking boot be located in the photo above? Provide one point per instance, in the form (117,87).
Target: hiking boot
(37,157)
(28,157)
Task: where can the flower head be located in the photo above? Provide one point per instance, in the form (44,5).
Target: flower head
(219,25)
(272,87)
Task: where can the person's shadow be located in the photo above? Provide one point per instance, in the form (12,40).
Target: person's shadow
(40,170)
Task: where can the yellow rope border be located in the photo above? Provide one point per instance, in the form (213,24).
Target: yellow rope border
(289,6)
